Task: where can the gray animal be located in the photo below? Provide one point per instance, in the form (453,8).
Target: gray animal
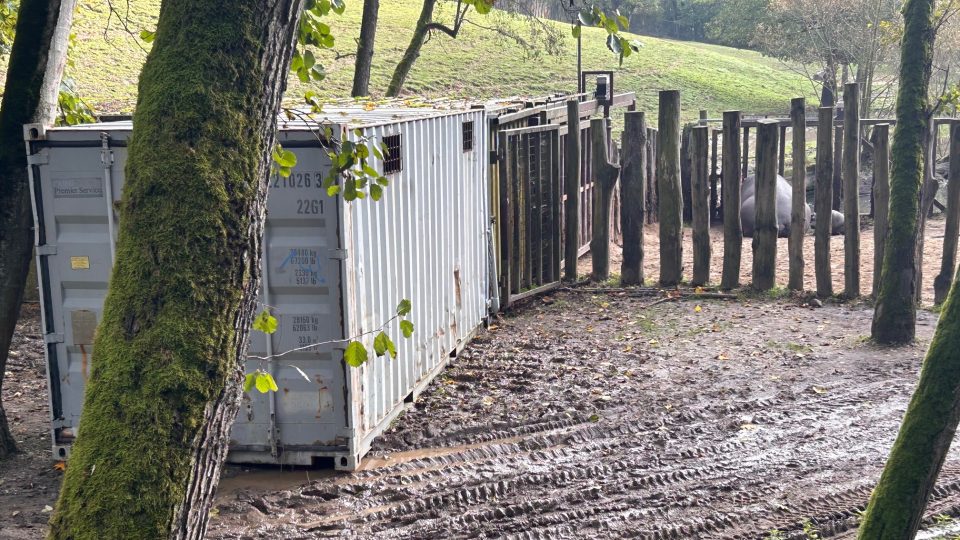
(836,222)
(784,198)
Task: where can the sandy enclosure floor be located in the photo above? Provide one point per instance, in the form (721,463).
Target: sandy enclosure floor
(932,247)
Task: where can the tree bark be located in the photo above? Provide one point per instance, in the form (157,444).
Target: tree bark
(605,178)
(732,228)
(167,369)
(671,197)
(765,231)
(632,188)
(881,193)
(941,284)
(798,212)
(37,58)
(851,188)
(412,52)
(838,168)
(365,46)
(700,205)
(894,317)
(823,203)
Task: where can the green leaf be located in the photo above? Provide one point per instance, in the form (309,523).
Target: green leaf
(265,322)
(248,382)
(404,307)
(407,328)
(588,18)
(356,354)
(376,192)
(147,36)
(270,382)
(577,29)
(382,344)
(333,191)
(263,385)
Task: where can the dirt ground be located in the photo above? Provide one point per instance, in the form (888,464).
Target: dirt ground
(587,414)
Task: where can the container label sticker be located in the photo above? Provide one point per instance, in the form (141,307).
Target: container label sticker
(78,188)
(300,267)
(79,263)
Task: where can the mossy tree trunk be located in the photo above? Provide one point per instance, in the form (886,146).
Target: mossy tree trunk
(30,95)
(894,317)
(166,377)
(365,45)
(425,25)
(941,284)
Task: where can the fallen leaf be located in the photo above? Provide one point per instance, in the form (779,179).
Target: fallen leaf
(47,509)
(698,309)
(722,356)
(819,390)
(60,465)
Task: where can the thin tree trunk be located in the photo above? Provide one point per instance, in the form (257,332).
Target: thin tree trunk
(413,49)
(732,228)
(894,317)
(798,212)
(365,45)
(881,175)
(671,195)
(37,58)
(167,364)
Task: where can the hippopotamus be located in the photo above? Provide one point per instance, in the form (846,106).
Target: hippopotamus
(836,222)
(784,201)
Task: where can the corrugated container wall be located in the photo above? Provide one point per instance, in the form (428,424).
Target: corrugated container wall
(331,270)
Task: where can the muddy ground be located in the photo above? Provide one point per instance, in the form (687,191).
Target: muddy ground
(586,414)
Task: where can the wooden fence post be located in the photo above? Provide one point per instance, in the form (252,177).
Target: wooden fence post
(632,196)
(798,213)
(765,231)
(650,177)
(571,188)
(851,189)
(838,168)
(685,165)
(941,285)
(881,199)
(700,205)
(823,202)
(732,230)
(605,177)
(671,196)
(782,159)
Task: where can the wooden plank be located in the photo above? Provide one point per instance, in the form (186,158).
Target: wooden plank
(605,179)
(556,153)
(633,179)
(506,219)
(668,179)
(571,168)
(745,154)
(881,199)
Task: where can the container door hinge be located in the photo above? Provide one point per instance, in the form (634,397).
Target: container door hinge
(53,338)
(338,254)
(40,158)
(47,249)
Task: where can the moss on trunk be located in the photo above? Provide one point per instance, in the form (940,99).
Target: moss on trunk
(165,381)
(894,319)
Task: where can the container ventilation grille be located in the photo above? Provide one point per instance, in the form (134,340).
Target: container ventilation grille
(393,157)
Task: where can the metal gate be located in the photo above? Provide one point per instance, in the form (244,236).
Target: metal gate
(531,198)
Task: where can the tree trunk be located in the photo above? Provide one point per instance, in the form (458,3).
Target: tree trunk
(605,180)
(838,168)
(894,317)
(941,284)
(36,63)
(632,188)
(823,203)
(700,205)
(798,212)
(671,197)
(413,49)
(167,364)
(732,228)
(829,90)
(851,190)
(765,222)
(881,179)
(365,45)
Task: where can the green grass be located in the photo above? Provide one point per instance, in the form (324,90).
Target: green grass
(107,60)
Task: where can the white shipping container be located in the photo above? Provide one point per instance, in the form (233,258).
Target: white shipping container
(332,270)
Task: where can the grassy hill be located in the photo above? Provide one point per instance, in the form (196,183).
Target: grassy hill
(107,59)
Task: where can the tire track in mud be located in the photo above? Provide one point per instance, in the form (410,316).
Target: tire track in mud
(732,469)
